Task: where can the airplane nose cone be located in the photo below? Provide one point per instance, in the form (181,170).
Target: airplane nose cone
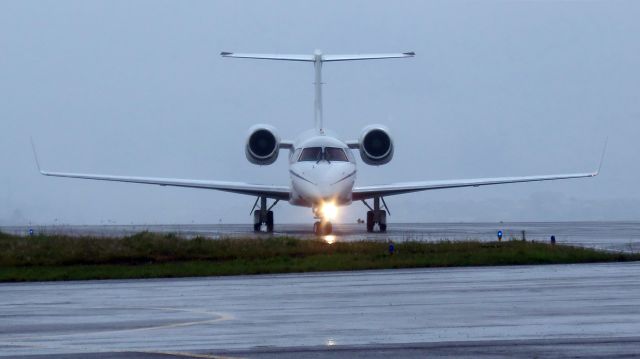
(325,181)
(330,176)
(326,192)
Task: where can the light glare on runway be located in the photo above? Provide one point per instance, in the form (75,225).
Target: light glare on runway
(330,239)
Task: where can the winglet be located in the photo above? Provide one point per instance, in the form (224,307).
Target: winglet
(604,150)
(35,155)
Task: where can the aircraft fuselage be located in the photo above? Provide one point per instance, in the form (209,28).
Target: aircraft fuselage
(319,176)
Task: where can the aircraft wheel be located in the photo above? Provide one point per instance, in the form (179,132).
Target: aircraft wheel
(317,229)
(370,222)
(270,221)
(328,228)
(257,222)
(382,221)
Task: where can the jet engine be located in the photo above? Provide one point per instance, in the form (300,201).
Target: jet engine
(376,146)
(263,145)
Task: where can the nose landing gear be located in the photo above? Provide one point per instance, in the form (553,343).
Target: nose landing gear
(322,227)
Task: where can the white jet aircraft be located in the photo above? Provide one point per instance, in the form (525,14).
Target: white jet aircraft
(322,167)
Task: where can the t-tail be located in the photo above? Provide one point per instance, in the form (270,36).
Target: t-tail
(317,58)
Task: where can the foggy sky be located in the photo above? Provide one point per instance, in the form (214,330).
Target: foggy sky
(496,89)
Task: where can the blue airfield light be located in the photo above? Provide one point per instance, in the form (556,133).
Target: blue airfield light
(500,235)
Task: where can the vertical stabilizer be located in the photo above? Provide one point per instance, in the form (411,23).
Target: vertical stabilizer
(317,63)
(317,58)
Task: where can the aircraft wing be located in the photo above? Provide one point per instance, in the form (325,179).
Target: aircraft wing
(275,192)
(365,192)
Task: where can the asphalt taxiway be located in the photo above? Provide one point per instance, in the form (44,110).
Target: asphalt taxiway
(590,310)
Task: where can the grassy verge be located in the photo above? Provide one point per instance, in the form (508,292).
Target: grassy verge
(149,255)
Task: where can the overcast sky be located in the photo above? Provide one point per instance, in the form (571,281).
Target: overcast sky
(496,89)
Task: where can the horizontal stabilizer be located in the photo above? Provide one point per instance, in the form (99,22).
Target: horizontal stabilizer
(328,58)
(289,57)
(312,58)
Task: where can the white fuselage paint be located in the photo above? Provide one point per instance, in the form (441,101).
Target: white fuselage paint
(314,183)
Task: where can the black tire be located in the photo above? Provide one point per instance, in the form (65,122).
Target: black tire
(257,222)
(328,228)
(317,229)
(370,221)
(270,221)
(382,224)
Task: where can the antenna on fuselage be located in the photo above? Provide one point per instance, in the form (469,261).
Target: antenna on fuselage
(317,58)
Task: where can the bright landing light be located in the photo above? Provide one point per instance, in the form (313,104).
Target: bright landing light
(329,211)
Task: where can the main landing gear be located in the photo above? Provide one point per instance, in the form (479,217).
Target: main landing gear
(376,215)
(263,216)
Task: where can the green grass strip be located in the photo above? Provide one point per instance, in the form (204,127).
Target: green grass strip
(152,255)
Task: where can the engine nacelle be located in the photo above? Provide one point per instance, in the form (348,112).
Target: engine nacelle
(263,145)
(376,145)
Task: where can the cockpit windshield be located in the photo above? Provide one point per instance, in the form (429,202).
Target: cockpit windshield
(335,154)
(311,154)
(317,154)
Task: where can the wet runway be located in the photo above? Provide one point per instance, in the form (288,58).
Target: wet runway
(617,236)
(527,311)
